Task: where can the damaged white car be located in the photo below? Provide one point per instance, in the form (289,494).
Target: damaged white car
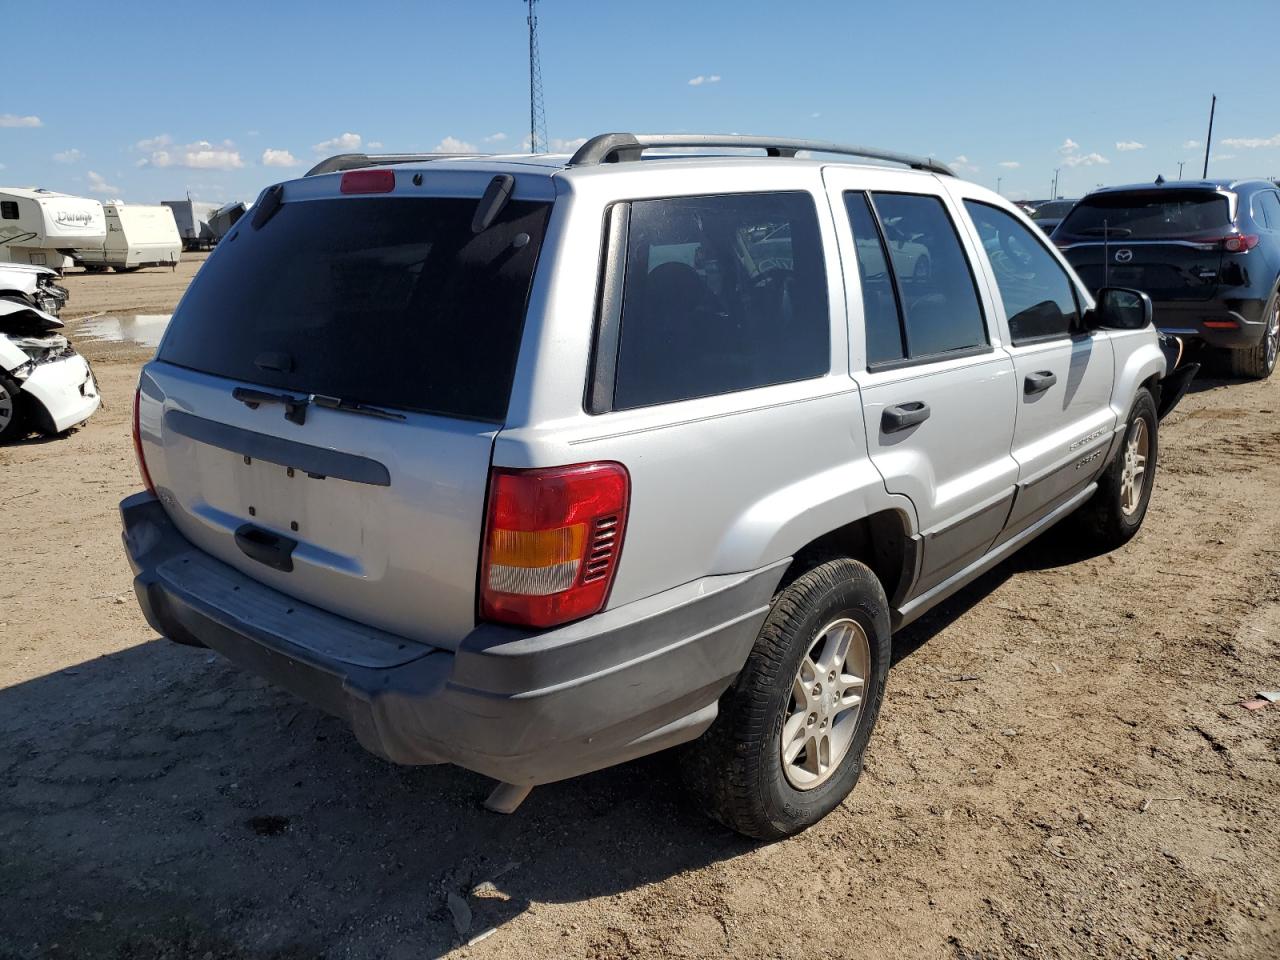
(44,384)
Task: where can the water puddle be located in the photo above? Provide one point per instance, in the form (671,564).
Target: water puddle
(144,329)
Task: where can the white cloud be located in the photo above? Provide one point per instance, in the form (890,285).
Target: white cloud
(699,80)
(97,184)
(495,138)
(1,166)
(1085,160)
(1009,164)
(343,143)
(1222,156)
(962,165)
(13,120)
(1124,146)
(373,144)
(1068,146)
(1252,143)
(68,156)
(454,145)
(1190,144)
(815,116)
(559,145)
(278,158)
(200,155)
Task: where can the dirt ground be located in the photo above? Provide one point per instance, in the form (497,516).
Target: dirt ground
(1062,767)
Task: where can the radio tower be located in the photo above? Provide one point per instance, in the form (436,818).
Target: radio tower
(537,112)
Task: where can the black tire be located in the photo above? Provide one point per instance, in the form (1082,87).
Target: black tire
(1105,521)
(126,269)
(735,770)
(1259,361)
(13,414)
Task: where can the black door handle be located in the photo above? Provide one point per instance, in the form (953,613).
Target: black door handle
(904,415)
(1039,382)
(266,547)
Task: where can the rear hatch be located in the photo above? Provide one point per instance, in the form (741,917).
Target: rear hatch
(1166,242)
(322,409)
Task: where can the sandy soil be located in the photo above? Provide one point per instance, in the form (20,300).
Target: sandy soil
(1062,767)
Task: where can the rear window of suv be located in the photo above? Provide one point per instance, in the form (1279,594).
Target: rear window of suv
(1150,215)
(386,301)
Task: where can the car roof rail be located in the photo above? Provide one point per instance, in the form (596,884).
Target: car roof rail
(354,161)
(625,147)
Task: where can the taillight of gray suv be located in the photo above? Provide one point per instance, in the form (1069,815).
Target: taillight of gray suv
(1207,252)
(538,464)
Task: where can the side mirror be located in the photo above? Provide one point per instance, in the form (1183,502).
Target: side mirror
(1119,308)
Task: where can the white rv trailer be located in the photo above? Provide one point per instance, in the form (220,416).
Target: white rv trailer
(192,217)
(137,236)
(42,227)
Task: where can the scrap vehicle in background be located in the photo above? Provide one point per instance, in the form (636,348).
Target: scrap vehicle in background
(192,217)
(33,286)
(225,217)
(138,236)
(1049,214)
(1207,252)
(44,384)
(45,228)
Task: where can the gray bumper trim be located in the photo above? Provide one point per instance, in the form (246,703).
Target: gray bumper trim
(523,707)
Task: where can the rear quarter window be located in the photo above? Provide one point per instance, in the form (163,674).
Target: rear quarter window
(380,300)
(720,293)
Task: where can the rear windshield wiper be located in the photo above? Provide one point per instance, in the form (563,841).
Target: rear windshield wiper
(350,406)
(295,408)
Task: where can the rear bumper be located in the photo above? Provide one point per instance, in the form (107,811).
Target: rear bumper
(523,707)
(1187,319)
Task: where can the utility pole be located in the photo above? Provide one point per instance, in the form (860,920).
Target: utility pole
(1054,193)
(1180,163)
(1209,139)
(537,111)
(998,179)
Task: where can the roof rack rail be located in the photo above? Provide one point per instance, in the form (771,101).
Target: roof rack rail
(354,161)
(625,147)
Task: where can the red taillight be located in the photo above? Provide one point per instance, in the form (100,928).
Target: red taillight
(1220,324)
(368,181)
(137,444)
(1240,242)
(551,542)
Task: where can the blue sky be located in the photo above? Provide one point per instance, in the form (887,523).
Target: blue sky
(224,97)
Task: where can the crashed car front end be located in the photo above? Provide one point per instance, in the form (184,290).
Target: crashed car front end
(37,285)
(55,387)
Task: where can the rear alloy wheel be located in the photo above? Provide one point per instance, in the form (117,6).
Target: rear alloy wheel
(786,746)
(1259,362)
(11,416)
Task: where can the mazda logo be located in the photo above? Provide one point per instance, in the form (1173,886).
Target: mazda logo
(1124,256)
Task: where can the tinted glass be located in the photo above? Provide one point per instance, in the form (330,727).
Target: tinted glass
(1166,213)
(879,302)
(1053,210)
(940,302)
(1269,203)
(9,209)
(721,294)
(1037,293)
(386,301)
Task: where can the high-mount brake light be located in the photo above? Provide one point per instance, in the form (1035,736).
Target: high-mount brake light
(137,443)
(551,542)
(368,181)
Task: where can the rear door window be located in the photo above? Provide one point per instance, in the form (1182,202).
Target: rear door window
(881,320)
(1148,215)
(939,298)
(720,293)
(379,300)
(1038,296)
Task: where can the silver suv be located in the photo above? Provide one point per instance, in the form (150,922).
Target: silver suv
(537,464)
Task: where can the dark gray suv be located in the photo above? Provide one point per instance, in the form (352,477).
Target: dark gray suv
(1207,252)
